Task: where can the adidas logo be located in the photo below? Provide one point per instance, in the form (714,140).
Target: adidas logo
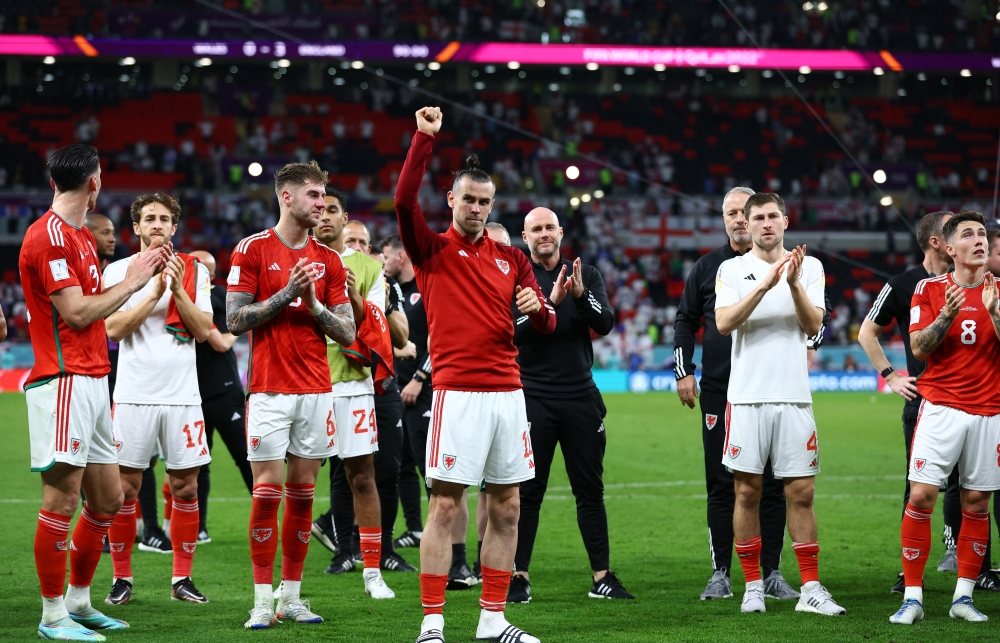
(463,253)
(274,266)
(750,277)
(236,416)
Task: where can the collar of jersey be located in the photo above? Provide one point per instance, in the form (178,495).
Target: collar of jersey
(951,278)
(461,238)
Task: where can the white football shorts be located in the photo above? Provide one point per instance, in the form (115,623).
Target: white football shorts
(69,420)
(785,433)
(301,424)
(355,415)
(944,438)
(175,432)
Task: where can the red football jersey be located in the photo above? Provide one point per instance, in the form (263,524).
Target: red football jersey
(287,354)
(55,255)
(963,372)
(467,290)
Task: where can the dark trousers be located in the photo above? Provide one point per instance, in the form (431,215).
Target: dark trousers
(416,420)
(148,498)
(389,424)
(577,425)
(224,413)
(722,494)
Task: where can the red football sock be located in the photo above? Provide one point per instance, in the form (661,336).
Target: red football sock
(296,529)
(432,592)
(264,531)
(495,584)
(168,501)
(371,546)
(50,552)
(184,534)
(808,556)
(972,542)
(915,536)
(749,553)
(121,537)
(85,550)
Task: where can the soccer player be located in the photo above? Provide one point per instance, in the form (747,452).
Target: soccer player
(698,303)
(773,302)
(893,303)
(955,328)
(157,402)
(69,411)
(563,403)
(354,408)
(290,292)
(222,398)
(479,429)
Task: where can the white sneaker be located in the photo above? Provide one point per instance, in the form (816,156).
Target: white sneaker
(753,599)
(297,610)
(909,613)
(376,587)
(261,617)
(818,600)
(964,609)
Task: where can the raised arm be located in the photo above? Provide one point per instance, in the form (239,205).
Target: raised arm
(592,302)
(926,340)
(808,314)
(337,323)
(419,240)
(197,321)
(729,318)
(243,313)
(529,298)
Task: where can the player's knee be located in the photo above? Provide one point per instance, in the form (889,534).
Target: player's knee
(64,505)
(113,504)
(184,489)
(505,514)
(975,501)
(921,497)
(801,498)
(363,483)
(747,494)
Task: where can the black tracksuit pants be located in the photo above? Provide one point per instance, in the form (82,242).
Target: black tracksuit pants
(224,413)
(416,420)
(722,494)
(388,423)
(577,425)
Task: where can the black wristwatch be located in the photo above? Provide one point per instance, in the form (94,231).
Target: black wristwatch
(419,377)
(887,372)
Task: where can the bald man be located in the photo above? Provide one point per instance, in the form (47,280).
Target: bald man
(563,403)
(222,399)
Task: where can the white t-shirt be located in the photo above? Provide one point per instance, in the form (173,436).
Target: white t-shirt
(769,348)
(376,295)
(154,367)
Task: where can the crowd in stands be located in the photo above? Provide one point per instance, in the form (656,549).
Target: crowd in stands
(912,25)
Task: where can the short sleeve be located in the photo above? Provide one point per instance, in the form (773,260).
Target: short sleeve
(244,269)
(816,283)
(921,311)
(203,290)
(882,312)
(376,294)
(54,265)
(336,281)
(726,289)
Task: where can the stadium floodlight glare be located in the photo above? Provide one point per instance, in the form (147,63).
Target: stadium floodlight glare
(49,60)
(886,201)
(965,73)
(255,169)
(659,67)
(808,6)
(998,15)
(553,87)
(879,176)
(203,62)
(572,173)
(585,198)
(575,202)
(593,67)
(513,65)
(357,64)
(598,194)
(541,3)
(284,62)
(822,6)
(434,66)
(126,61)
(878,71)
(733,69)
(804,69)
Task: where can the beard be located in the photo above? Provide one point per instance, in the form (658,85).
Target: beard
(740,236)
(769,245)
(469,228)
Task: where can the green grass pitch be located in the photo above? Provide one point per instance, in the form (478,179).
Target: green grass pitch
(656,510)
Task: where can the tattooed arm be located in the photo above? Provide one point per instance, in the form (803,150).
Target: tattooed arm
(243,313)
(926,341)
(337,322)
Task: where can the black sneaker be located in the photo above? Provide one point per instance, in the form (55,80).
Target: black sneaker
(341,563)
(988,581)
(203,537)
(519,590)
(900,585)
(322,530)
(106,548)
(121,593)
(359,560)
(477,569)
(461,577)
(608,587)
(184,590)
(393,562)
(155,540)
(407,539)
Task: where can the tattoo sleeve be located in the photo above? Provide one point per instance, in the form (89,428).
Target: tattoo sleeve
(338,324)
(243,314)
(931,337)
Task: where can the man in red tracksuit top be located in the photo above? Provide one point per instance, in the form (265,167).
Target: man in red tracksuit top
(479,427)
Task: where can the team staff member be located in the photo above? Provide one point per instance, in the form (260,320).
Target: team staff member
(563,403)
(697,302)
(222,399)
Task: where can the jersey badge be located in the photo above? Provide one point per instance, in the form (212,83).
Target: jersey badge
(734,451)
(414,298)
(254,442)
(304,536)
(59,269)
(448,462)
(260,535)
(918,464)
(910,553)
(118,445)
(75,445)
(320,268)
(710,420)
(234,276)
(61,545)
(504,266)
(979,548)
(188,547)
(116,548)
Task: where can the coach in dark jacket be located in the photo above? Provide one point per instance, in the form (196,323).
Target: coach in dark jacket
(698,302)
(563,403)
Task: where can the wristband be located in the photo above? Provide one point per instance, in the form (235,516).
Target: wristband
(887,372)
(317,309)
(419,377)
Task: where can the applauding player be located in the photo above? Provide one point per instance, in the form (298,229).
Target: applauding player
(290,292)
(954,326)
